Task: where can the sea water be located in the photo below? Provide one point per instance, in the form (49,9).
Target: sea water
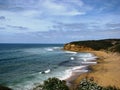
(24,66)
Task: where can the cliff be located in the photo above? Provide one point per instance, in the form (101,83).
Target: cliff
(90,45)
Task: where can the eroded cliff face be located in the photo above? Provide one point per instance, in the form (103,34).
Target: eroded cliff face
(90,45)
(78,48)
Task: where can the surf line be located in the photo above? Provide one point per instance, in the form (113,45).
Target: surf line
(45,72)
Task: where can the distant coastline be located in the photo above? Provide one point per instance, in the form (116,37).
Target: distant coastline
(107,71)
(103,52)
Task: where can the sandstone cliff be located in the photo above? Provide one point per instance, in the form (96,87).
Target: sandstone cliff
(74,47)
(106,44)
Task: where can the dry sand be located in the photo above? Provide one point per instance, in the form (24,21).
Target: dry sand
(106,72)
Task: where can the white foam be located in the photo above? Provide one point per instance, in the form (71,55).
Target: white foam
(88,58)
(78,67)
(86,55)
(72,58)
(52,48)
(47,71)
(82,71)
(49,49)
(70,52)
(56,47)
(67,74)
(89,62)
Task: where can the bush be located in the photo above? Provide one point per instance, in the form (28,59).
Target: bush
(85,84)
(88,85)
(53,84)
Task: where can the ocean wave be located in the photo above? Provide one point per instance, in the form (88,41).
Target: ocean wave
(67,74)
(49,49)
(88,63)
(86,55)
(52,48)
(80,71)
(72,58)
(79,67)
(88,58)
(57,47)
(45,72)
(71,52)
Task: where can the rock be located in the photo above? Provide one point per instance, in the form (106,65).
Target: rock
(4,88)
(73,47)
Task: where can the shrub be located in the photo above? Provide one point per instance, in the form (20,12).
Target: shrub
(54,84)
(88,85)
(85,84)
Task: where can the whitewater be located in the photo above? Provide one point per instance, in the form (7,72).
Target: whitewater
(24,66)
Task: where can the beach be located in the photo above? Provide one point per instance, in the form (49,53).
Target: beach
(106,72)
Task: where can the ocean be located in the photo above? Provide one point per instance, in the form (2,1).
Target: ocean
(24,66)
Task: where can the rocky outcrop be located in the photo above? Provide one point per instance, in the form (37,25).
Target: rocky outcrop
(106,44)
(73,47)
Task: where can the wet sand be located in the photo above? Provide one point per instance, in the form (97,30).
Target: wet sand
(105,73)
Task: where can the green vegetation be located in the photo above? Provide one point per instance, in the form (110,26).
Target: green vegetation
(100,44)
(115,48)
(53,84)
(89,84)
(85,84)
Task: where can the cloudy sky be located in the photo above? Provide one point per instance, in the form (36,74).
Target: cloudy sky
(58,21)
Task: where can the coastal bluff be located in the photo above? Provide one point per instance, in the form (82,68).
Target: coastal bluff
(112,45)
(107,71)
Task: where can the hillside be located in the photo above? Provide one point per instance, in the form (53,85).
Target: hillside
(106,44)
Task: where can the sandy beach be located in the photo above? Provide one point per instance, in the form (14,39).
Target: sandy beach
(106,72)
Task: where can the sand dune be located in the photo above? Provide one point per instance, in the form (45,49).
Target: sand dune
(106,72)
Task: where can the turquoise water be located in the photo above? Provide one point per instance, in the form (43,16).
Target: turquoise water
(23,66)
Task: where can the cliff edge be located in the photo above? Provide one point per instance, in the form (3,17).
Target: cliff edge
(91,45)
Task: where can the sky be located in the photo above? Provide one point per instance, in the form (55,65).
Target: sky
(58,21)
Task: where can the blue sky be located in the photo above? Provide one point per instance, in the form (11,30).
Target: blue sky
(58,21)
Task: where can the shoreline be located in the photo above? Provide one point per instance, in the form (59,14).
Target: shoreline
(106,72)
(84,68)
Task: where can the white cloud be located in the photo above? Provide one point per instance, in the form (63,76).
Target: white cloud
(58,8)
(35,8)
(35,14)
(25,18)
(72,13)
(53,6)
